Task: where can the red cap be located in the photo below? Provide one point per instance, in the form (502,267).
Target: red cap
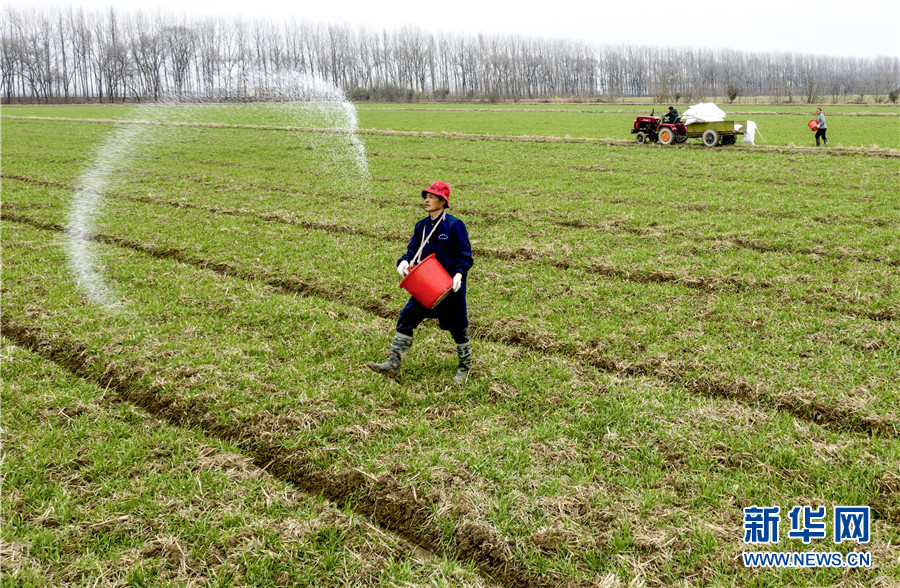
(439,189)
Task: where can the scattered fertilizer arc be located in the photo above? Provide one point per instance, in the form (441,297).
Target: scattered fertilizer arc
(86,203)
(288,95)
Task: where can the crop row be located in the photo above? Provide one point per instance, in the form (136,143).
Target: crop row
(669,253)
(619,414)
(686,237)
(711,284)
(158,342)
(651,275)
(676,372)
(382,499)
(98,490)
(617,226)
(712,193)
(784,128)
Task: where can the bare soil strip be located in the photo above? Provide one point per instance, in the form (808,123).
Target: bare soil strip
(398,508)
(657,276)
(836,151)
(834,417)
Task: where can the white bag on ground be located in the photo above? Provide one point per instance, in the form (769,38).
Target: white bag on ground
(703,112)
(750,133)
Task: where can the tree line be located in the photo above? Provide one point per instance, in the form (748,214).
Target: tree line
(70,54)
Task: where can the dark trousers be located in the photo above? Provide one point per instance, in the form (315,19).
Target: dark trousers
(821,133)
(414,313)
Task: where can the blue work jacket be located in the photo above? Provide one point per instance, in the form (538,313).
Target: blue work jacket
(450,244)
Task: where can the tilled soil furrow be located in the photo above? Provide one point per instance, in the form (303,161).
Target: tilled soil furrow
(835,417)
(285,217)
(398,508)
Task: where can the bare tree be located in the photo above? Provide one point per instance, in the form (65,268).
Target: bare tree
(10,52)
(116,56)
(179,40)
(148,53)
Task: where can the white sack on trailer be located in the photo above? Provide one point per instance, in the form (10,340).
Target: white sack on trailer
(703,112)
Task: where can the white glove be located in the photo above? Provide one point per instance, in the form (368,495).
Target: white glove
(457,282)
(403,268)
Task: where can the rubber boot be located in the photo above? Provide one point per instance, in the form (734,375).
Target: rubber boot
(399,348)
(465,361)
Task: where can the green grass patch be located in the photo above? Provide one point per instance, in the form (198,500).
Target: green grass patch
(654,351)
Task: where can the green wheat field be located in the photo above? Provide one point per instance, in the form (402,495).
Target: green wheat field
(662,337)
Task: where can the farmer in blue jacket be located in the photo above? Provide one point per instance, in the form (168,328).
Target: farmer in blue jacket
(448,239)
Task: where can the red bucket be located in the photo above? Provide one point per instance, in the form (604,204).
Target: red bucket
(428,282)
(813,125)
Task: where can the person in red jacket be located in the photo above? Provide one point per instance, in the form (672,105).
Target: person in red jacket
(449,241)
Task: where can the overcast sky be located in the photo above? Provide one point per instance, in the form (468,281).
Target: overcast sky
(860,28)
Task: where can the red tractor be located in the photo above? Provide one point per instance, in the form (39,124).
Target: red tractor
(651,128)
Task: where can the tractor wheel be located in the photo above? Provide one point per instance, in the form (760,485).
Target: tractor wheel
(710,137)
(666,136)
(680,138)
(640,137)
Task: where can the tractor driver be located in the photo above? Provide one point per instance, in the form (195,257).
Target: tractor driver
(671,116)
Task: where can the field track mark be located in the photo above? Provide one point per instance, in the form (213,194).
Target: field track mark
(399,509)
(834,151)
(640,276)
(834,417)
